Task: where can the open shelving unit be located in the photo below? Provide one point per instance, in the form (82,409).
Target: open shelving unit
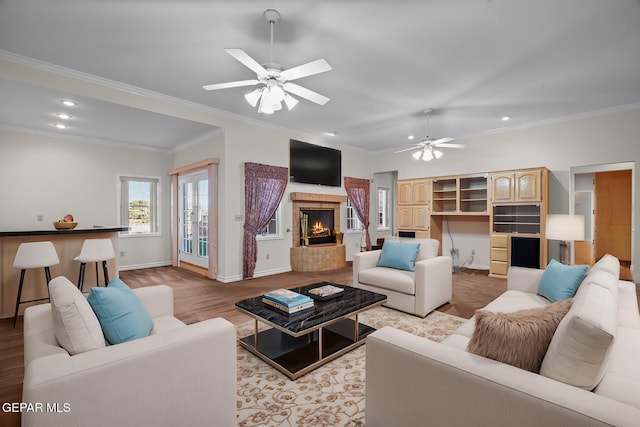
(461,195)
(473,194)
(445,195)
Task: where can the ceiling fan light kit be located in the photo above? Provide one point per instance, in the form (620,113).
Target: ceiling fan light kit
(277,86)
(427,147)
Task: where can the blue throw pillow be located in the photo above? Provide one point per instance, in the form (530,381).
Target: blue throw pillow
(560,281)
(401,256)
(120,313)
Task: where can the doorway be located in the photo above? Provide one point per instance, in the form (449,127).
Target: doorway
(193,220)
(604,194)
(613,215)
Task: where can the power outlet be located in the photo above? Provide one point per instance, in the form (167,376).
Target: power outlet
(268,256)
(40,218)
(121,253)
(473,252)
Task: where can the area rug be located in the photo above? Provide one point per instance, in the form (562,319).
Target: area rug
(333,394)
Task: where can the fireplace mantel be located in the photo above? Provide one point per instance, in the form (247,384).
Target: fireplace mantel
(319,257)
(313,197)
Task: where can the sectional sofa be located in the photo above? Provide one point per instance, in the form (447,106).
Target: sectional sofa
(589,376)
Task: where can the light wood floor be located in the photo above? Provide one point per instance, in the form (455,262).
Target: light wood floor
(198,298)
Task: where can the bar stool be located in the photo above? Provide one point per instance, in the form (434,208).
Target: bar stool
(33,255)
(95,250)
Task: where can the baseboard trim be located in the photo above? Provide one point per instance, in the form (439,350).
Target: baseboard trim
(271,272)
(477,267)
(263,273)
(147,265)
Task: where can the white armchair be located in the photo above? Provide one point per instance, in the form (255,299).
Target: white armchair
(417,292)
(179,375)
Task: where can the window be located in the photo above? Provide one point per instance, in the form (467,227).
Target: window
(139,204)
(353,222)
(383,208)
(272,230)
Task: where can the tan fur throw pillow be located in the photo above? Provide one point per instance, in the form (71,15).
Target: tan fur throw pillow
(520,338)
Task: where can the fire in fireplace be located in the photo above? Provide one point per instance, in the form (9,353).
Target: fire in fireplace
(317,226)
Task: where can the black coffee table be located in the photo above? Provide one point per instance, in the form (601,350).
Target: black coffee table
(298,343)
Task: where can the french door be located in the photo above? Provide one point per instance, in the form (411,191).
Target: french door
(193,220)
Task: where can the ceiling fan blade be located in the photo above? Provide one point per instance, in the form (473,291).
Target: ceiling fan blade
(445,145)
(415,147)
(247,61)
(440,141)
(309,69)
(305,93)
(231,84)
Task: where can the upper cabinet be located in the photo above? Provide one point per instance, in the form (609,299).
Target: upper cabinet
(413,204)
(404,193)
(413,192)
(523,186)
(529,186)
(420,191)
(503,187)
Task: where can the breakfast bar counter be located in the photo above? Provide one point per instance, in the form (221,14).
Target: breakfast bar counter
(67,243)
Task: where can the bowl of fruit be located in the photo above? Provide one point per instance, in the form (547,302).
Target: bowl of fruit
(66,223)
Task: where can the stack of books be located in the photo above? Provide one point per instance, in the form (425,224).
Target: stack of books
(288,301)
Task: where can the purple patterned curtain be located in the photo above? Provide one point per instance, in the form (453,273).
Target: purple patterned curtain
(358,192)
(263,189)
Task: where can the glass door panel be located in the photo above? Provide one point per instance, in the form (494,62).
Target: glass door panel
(194,219)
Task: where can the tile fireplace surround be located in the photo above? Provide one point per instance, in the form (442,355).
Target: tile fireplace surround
(320,257)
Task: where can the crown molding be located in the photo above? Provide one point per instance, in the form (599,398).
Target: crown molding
(540,123)
(137,91)
(72,137)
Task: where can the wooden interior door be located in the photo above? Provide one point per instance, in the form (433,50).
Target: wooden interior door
(613,214)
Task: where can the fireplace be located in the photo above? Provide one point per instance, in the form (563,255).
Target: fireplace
(317,225)
(319,257)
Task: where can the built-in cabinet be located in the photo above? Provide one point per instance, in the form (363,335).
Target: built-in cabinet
(519,207)
(514,203)
(413,205)
(517,186)
(499,254)
(460,195)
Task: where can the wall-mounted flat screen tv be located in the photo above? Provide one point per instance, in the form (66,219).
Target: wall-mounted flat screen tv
(313,164)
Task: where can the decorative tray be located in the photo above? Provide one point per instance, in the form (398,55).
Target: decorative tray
(326,292)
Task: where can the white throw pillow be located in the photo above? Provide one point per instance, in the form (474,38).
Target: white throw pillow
(579,350)
(74,323)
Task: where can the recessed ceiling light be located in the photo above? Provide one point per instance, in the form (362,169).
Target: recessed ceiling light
(63,116)
(410,137)
(505,118)
(68,102)
(60,126)
(330,133)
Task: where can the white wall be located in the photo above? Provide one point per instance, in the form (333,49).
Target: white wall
(253,143)
(52,176)
(607,138)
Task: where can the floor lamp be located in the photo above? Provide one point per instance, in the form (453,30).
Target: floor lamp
(565,228)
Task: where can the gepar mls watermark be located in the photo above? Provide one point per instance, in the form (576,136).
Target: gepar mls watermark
(39,407)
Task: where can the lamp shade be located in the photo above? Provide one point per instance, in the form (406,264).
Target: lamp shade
(565,227)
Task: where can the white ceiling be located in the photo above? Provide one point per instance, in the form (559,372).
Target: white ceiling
(472,61)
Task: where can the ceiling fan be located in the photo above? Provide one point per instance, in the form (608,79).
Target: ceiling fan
(275,81)
(427,148)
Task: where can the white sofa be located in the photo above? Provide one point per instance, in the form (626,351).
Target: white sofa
(413,381)
(179,375)
(417,292)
